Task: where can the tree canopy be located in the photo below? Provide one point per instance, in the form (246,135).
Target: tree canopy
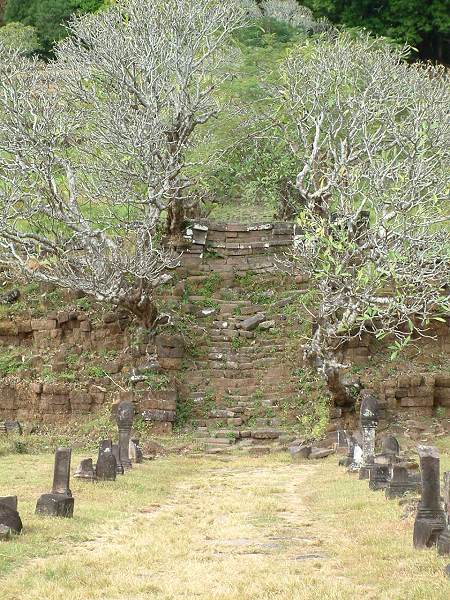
(424,25)
(48,16)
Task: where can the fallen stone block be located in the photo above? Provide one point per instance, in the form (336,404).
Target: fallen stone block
(253,322)
(320,453)
(299,453)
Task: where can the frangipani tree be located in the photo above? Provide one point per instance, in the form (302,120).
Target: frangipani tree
(371,134)
(92,146)
(146,72)
(287,11)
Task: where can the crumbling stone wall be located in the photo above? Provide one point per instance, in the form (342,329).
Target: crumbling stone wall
(234,247)
(24,397)
(223,248)
(64,327)
(416,394)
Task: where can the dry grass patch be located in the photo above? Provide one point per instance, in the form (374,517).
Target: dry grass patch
(244,529)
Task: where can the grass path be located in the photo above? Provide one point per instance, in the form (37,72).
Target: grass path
(239,529)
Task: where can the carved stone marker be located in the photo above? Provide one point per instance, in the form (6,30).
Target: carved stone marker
(9,517)
(125,416)
(135,451)
(357,459)
(390,445)
(348,458)
(85,470)
(379,477)
(116,454)
(443,544)
(369,420)
(59,503)
(10,501)
(430,518)
(401,482)
(106,467)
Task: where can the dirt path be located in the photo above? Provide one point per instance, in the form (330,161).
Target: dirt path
(235,530)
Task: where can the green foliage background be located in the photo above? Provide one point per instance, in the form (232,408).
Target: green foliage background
(423,24)
(47,16)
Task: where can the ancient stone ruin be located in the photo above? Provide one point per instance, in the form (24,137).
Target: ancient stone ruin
(106,467)
(85,470)
(430,518)
(369,422)
(10,522)
(401,481)
(125,416)
(59,503)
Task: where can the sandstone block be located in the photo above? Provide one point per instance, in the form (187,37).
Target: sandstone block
(43,324)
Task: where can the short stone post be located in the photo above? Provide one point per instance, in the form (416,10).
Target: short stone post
(61,473)
(10,521)
(125,416)
(379,477)
(369,420)
(390,446)
(135,451)
(443,544)
(116,454)
(430,518)
(400,482)
(59,503)
(106,467)
(348,459)
(357,458)
(380,472)
(85,470)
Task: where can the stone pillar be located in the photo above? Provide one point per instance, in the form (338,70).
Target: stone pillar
(443,544)
(125,416)
(369,421)
(430,518)
(61,474)
(59,503)
(116,454)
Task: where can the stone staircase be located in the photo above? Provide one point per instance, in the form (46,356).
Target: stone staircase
(239,378)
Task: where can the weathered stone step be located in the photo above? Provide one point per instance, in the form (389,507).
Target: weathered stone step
(216,449)
(213,441)
(221,301)
(225,433)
